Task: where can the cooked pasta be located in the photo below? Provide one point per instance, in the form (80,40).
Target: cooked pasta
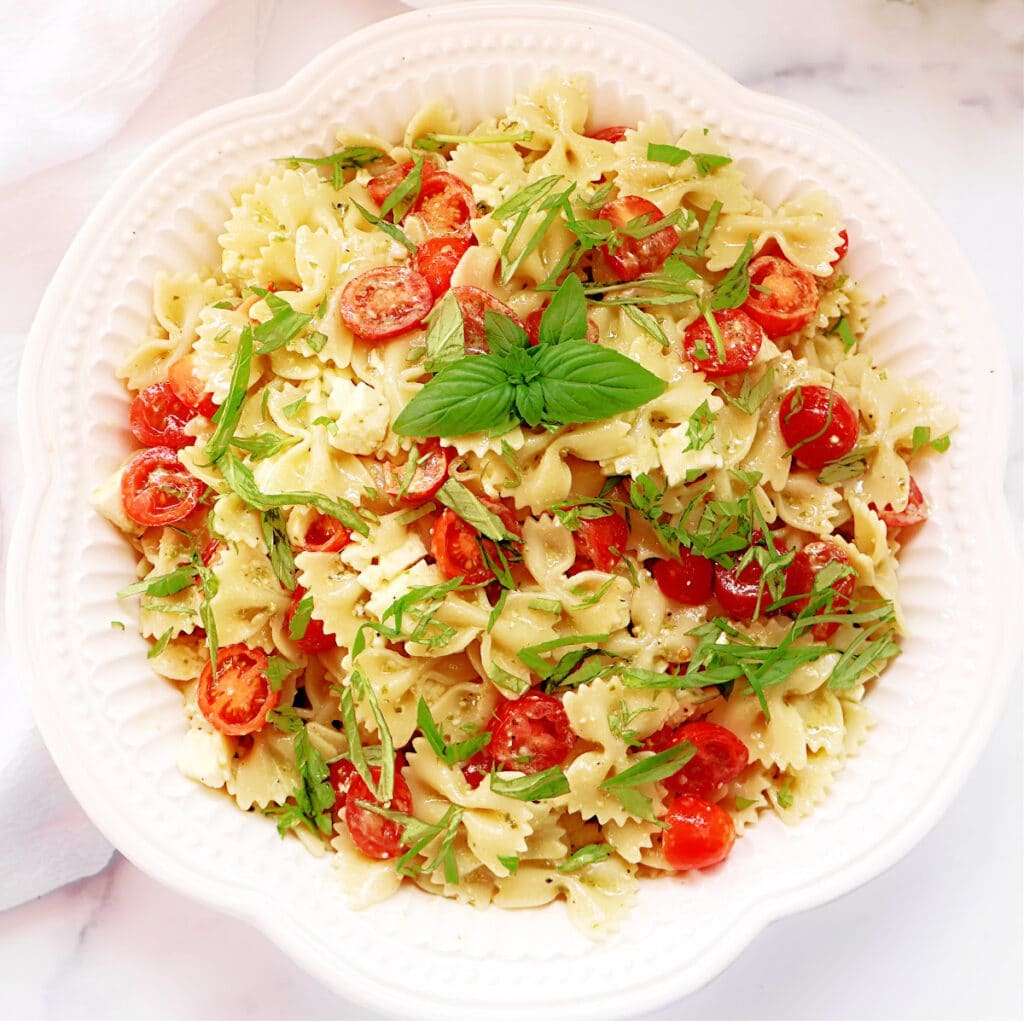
(518,511)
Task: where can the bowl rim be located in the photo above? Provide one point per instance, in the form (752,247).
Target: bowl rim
(236,898)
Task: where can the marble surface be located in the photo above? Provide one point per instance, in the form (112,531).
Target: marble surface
(936,86)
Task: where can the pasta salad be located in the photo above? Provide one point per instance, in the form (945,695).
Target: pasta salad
(518,511)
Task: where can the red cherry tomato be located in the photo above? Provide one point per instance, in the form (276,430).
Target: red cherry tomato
(456,546)
(818,425)
(374,835)
(158,417)
(738,591)
(314,639)
(340,775)
(841,249)
(688,580)
(721,756)
(326,535)
(237,700)
(473,303)
(783,297)
(383,303)
(530,734)
(445,204)
(615,133)
(189,388)
(476,768)
(741,338)
(381,186)
(427,478)
(914,513)
(211,551)
(800,579)
(156,488)
(699,834)
(635,256)
(532,327)
(602,541)
(437,258)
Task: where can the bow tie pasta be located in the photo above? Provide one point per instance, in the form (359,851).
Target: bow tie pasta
(518,510)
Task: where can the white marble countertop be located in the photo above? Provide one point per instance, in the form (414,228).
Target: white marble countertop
(936,86)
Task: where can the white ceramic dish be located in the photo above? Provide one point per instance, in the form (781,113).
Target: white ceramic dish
(113,728)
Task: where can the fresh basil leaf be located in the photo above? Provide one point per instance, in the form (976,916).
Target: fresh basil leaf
(734,288)
(708,161)
(283,324)
(503,335)
(531,655)
(743,803)
(553,606)
(670,154)
(495,613)
(655,767)
(450,754)
(162,584)
(403,197)
(511,862)
(510,682)
(241,482)
(276,538)
(316,341)
(445,340)
(566,317)
(278,669)
(524,198)
(847,467)
(392,230)
(647,323)
(454,495)
(160,644)
(589,855)
(353,156)
(433,141)
(841,327)
(227,415)
(584,382)
(471,395)
(551,783)
(922,437)
(264,445)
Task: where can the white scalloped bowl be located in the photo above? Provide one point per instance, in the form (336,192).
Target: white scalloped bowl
(113,728)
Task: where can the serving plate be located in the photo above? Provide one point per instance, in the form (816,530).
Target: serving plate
(113,727)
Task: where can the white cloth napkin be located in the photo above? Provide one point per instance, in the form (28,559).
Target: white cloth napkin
(85,86)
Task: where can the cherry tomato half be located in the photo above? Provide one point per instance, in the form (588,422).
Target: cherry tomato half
(807,563)
(326,535)
(688,580)
(476,768)
(428,476)
(783,298)
(614,133)
(721,756)
(741,338)
(636,256)
(314,639)
(738,591)
(602,541)
(374,835)
(456,546)
(818,425)
(532,327)
(699,834)
(841,249)
(530,734)
(445,204)
(383,303)
(237,700)
(914,513)
(156,488)
(158,417)
(473,303)
(381,186)
(437,258)
(189,388)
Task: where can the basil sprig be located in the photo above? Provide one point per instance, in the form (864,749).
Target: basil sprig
(562,380)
